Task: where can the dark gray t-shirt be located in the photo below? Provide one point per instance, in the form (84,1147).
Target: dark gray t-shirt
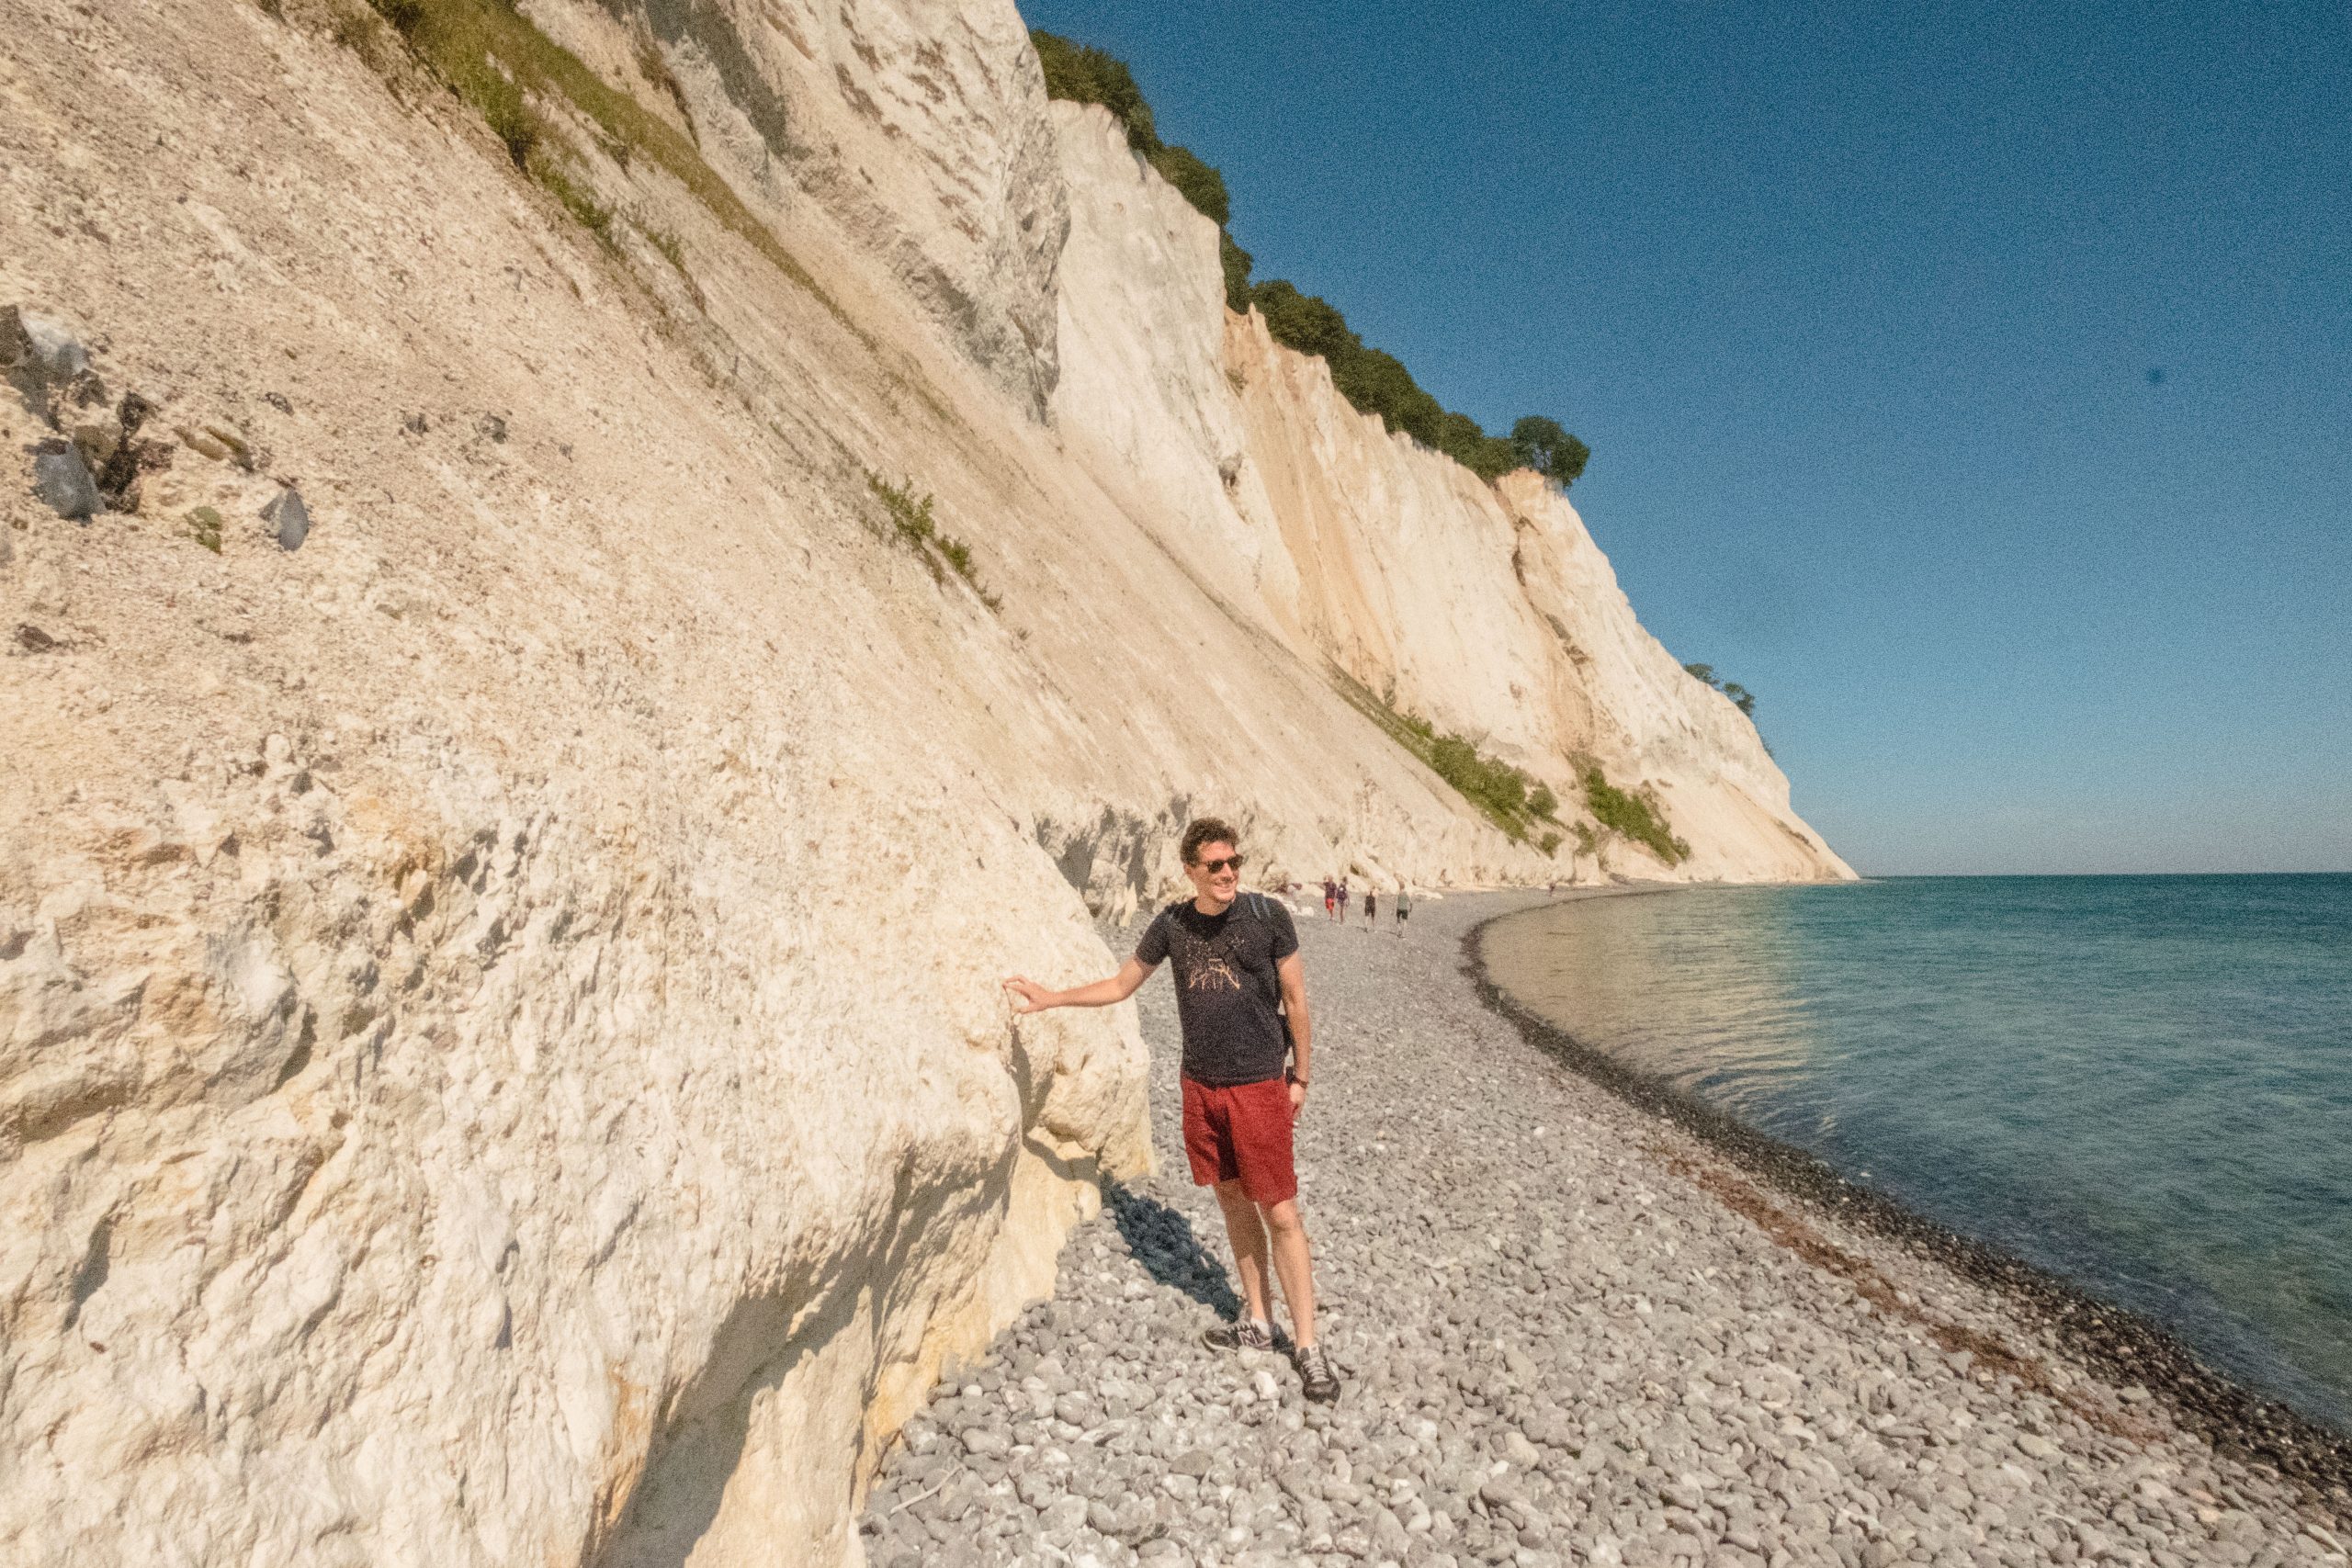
(1229,997)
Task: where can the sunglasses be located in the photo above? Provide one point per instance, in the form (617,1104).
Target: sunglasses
(1214,866)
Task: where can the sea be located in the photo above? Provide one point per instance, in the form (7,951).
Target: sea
(2141,1083)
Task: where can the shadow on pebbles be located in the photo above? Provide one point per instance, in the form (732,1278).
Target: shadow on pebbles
(1570,1334)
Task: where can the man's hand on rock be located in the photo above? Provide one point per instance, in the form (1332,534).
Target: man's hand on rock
(1027,995)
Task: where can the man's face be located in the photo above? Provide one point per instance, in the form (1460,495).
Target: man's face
(1216,872)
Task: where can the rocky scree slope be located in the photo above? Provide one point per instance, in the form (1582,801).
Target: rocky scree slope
(510,837)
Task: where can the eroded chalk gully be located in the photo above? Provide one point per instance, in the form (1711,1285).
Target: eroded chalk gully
(1575,1330)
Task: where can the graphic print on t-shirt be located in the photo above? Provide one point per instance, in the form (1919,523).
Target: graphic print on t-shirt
(1201,966)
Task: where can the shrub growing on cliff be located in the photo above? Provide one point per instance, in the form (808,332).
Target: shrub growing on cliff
(1377,382)
(1741,697)
(1631,815)
(1087,75)
(497,61)
(913,525)
(1237,272)
(585,210)
(1510,798)
(1194,181)
(1305,322)
(1489,456)
(406,15)
(1084,74)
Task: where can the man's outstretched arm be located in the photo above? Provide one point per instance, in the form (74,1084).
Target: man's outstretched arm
(1030,997)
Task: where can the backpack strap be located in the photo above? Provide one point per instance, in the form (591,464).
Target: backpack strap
(1259,908)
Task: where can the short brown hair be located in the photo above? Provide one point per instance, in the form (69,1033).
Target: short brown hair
(1207,831)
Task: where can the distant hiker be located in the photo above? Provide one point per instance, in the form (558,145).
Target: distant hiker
(1404,907)
(1242,1003)
(1343,900)
(1371,908)
(1330,901)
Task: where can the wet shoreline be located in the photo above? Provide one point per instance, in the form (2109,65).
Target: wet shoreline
(2113,1341)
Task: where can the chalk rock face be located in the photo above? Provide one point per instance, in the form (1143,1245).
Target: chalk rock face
(1486,609)
(501,1052)
(915,128)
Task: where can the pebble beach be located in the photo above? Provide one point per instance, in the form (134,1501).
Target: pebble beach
(1572,1329)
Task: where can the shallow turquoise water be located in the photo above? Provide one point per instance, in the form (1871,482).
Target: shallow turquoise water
(2142,1083)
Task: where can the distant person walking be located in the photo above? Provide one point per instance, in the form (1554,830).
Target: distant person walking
(1241,1005)
(1343,900)
(1371,908)
(1404,907)
(1331,899)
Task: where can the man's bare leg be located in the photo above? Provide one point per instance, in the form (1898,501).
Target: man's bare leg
(1243,1228)
(1296,1273)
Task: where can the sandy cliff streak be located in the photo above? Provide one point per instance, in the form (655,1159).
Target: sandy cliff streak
(510,836)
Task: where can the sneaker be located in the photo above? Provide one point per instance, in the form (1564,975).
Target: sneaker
(1316,1378)
(1242,1334)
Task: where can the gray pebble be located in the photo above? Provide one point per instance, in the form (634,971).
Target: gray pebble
(63,481)
(987,1441)
(288,519)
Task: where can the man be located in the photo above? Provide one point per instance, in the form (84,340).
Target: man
(1404,907)
(1241,1002)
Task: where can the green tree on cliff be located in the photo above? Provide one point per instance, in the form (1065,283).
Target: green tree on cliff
(1551,451)
(1372,381)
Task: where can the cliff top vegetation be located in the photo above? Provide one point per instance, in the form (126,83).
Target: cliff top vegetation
(1372,381)
(1741,697)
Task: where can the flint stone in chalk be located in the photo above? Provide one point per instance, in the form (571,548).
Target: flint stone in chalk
(288,518)
(35,343)
(62,480)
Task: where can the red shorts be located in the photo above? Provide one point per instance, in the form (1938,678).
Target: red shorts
(1241,1133)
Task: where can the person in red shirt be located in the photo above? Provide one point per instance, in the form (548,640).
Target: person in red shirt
(1241,1002)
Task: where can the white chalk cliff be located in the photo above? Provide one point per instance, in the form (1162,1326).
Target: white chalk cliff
(500,1057)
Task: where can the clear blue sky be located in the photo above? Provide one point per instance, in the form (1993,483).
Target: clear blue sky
(1974,384)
